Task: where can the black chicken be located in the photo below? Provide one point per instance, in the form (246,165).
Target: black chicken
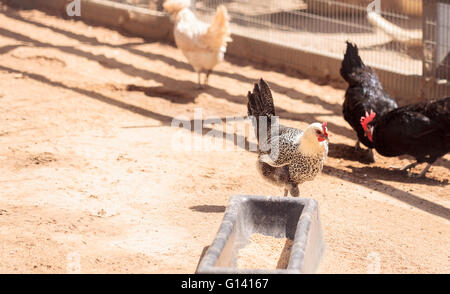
(421,130)
(364,93)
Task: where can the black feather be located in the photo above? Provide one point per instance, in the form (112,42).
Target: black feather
(351,63)
(420,130)
(364,93)
(260,106)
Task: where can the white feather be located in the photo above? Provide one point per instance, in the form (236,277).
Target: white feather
(309,145)
(202,44)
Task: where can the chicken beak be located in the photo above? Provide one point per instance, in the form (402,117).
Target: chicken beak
(368,133)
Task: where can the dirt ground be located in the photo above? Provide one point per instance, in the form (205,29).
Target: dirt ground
(93,181)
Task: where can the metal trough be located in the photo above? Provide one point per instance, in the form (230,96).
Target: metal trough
(280,217)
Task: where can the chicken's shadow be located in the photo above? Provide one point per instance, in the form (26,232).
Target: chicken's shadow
(208,208)
(392,175)
(347,152)
(163,92)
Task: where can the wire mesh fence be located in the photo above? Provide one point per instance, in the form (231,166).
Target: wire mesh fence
(408,37)
(324,26)
(150,4)
(436,47)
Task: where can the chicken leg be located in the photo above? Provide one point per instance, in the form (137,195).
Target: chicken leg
(207,76)
(200,86)
(407,168)
(292,189)
(422,174)
(371,157)
(425,170)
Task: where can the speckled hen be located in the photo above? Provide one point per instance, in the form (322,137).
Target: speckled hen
(287,156)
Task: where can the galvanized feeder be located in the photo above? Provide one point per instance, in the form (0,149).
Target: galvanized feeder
(280,217)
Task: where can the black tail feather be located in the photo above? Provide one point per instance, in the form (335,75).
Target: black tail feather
(351,62)
(260,101)
(260,105)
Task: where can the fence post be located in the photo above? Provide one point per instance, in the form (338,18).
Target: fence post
(436,49)
(429,47)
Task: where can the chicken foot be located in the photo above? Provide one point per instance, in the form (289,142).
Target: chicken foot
(406,167)
(370,155)
(412,165)
(425,170)
(292,189)
(422,174)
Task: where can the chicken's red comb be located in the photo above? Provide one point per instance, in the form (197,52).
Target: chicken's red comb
(324,127)
(365,120)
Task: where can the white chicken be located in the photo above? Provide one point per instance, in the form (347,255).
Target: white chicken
(202,44)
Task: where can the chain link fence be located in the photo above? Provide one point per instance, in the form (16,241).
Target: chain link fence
(408,37)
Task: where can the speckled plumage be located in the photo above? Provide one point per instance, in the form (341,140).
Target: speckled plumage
(287,156)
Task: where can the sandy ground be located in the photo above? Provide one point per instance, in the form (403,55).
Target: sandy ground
(93,181)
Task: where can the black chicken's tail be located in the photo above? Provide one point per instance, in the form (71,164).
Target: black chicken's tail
(351,62)
(260,107)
